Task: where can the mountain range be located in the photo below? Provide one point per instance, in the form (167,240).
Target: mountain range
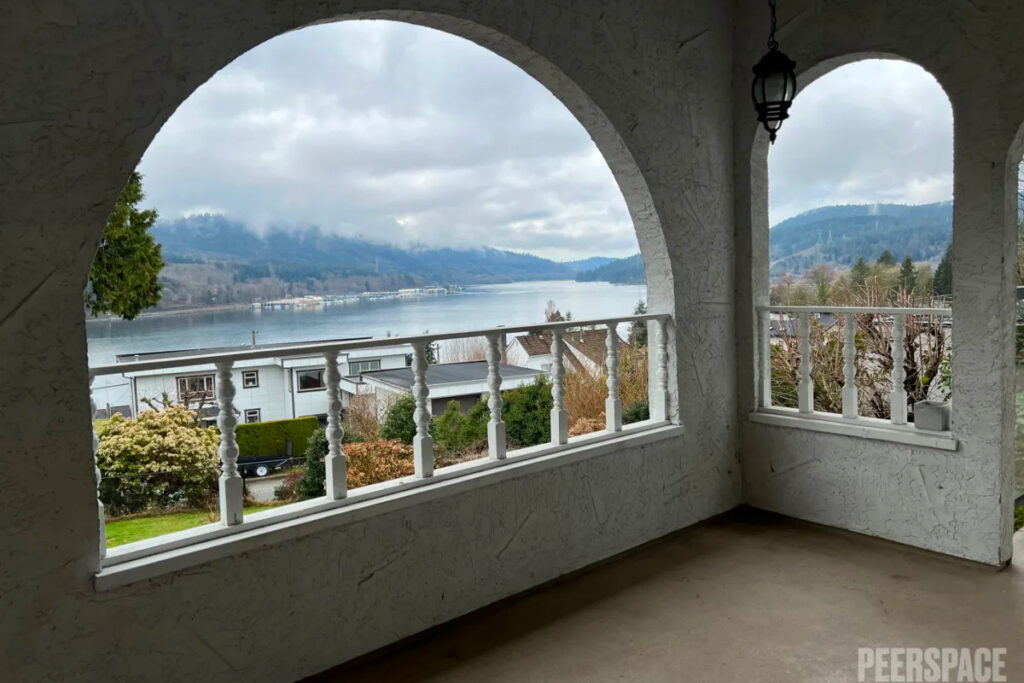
(212,259)
(310,253)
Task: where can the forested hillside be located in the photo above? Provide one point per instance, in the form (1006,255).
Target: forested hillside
(629,270)
(839,235)
(213,260)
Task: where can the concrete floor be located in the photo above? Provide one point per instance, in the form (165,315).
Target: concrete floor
(751,597)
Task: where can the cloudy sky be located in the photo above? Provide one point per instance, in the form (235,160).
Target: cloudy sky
(404,134)
(871,131)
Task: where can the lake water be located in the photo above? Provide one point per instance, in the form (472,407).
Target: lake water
(518,303)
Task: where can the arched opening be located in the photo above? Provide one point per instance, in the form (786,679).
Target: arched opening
(311,225)
(858,226)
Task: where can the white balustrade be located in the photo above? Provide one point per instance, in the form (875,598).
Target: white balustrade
(898,398)
(96,471)
(805,389)
(230,482)
(613,404)
(850,408)
(880,318)
(422,443)
(495,427)
(335,465)
(559,415)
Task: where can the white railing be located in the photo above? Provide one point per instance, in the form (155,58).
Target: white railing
(787,321)
(230,483)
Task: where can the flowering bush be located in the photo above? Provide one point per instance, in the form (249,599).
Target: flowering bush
(160,459)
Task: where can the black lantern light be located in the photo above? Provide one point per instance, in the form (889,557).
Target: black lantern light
(774,84)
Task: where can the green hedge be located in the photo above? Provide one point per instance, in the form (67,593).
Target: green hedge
(268,438)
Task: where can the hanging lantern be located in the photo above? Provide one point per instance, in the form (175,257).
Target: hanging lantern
(774,84)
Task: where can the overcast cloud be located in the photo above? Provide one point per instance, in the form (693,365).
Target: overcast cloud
(871,131)
(393,132)
(403,134)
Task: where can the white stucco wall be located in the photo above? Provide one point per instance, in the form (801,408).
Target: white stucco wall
(87,86)
(958,503)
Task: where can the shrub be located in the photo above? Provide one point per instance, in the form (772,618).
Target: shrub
(160,459)
(369,462)
(362,418)
(286,490)
(1018,519)
(636,412)
(376,461)
(399,422)
(456,432)
(526,412)
(268,438)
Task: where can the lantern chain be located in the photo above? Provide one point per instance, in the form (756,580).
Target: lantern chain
(772,43)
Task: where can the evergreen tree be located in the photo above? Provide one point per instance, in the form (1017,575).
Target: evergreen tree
(860,272)
(908,275)
(887,259)
(638,330)
(312,483)
(124,275)
(942,284)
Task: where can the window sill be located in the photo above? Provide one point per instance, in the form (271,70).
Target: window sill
(860,427)
(155,557)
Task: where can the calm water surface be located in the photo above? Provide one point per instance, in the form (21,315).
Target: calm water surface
(520,303)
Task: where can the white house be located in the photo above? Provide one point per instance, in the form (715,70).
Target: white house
(267,389)
(463,382)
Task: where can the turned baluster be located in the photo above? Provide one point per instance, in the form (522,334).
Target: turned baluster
(96,472)
(230,482)
(898,397)
(613,404)
(495,427)
(559,415)
(659,400)
(765,330)
(850,366)
(422,443)
(806,387)
(335,465)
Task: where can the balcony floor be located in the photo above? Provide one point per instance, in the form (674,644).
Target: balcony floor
(751,597)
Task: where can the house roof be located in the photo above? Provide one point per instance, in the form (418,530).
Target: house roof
(590,343)
(184,353)
(449,373)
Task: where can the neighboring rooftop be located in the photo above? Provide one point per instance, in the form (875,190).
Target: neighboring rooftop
(590,343)
(449,373)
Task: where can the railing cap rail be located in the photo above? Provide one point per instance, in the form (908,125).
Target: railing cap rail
(376,342)
(856,310)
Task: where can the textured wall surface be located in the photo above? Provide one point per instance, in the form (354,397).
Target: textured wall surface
(958,503)
(86,87)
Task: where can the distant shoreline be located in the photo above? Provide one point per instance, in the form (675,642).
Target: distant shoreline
(242,306)
(173,311)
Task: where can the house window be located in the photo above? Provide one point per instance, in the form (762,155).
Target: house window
(252,415)
(195,389)
(358,367)
(250,379)
(311,380)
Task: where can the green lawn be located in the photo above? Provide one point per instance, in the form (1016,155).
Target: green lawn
(122,531)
